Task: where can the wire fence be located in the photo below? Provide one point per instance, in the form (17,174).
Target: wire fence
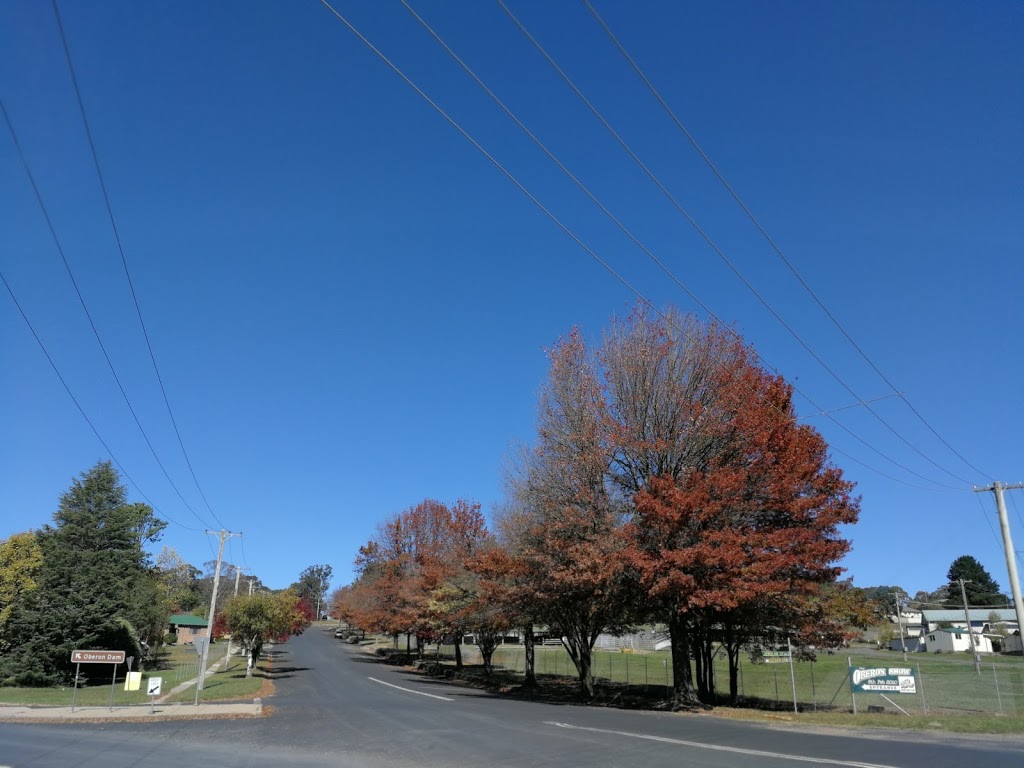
(944,684)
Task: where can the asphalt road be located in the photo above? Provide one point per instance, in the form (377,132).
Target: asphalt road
(337,707)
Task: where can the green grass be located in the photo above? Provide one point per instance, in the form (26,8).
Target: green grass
(90,696)
(949,682)
(953,723)
(230,683)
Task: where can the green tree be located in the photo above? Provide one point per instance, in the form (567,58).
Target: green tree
(255,619)
(982,590)
(313,584)
(96,585)
(20,558)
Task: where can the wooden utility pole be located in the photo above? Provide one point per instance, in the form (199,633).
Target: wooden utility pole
(970,632)
(997,488)
(224,536)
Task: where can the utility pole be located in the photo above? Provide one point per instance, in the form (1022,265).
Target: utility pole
(224,536)
(970,632)
(250,585)
(899,620)
(1011,558)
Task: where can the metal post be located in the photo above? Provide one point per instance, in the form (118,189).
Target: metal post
(792,673)
(74,691)
(627,669)
(775,672)
(113,681)
(849,666)
(999,698)
(814,691)
(920,680)
(1011,560)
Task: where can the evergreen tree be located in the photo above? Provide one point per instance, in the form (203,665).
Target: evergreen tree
(96,587)
(982,589)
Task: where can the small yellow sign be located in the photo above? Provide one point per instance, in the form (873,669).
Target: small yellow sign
(133,682)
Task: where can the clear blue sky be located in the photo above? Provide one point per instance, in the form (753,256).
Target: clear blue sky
(350,305)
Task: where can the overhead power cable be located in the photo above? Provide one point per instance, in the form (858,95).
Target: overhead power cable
(616,221)
(124,260)
(81,410)
(587,248)
(85,307)
(768,238)
(715,247)
(991,528)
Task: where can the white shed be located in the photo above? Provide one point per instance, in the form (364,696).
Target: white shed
(957,639)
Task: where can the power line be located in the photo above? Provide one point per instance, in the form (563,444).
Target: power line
(85,308)
(81,410)
(583,245)
(775,247)
(999,543)
(617,222)
(120,249)
(714,246)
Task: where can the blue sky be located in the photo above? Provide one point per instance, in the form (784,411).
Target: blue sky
(350,305)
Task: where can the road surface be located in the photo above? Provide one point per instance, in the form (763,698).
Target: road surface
(338,707)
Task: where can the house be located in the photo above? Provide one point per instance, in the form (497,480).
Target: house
(956,639)
(187,628)
(980,618)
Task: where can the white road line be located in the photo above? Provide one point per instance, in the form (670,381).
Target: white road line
(720,748)
(409,690)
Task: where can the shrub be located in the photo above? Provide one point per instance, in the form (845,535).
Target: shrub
(170,638)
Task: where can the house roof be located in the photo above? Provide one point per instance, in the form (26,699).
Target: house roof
(976,614)
(185,620)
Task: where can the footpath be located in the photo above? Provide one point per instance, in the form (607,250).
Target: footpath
(160,709)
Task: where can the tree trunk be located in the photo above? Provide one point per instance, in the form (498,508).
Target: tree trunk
(683,695)
(732,647)
(580,651)
(529,658)
(408,644)
(458,650)
(419,645)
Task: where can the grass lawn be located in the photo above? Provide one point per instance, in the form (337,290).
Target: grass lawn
(958,699)
(953,723)
(231,683)
(90,696)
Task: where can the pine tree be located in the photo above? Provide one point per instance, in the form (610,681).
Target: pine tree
(981,589)
(96,587)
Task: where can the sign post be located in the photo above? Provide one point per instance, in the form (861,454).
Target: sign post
(153,686)
(74,691)
(78,658)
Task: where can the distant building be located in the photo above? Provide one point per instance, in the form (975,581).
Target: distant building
(958,639)
(980,618)
(188,628)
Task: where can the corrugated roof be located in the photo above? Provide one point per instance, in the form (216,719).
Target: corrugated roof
(976,614)
(185,620)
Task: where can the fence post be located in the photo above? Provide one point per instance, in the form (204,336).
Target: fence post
(646,681)
(920,679)
(775,672)
(627,669)
(814,691)
(999,698)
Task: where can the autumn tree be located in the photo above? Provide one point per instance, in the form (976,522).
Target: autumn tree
(566,512)
(735,503)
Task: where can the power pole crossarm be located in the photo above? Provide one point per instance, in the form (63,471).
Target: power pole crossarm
(997,488)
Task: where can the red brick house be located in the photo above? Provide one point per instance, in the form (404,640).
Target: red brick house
(187,628)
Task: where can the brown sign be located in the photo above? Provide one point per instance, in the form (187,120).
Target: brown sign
(97,657)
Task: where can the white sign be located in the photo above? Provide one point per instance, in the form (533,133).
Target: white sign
(153,686)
